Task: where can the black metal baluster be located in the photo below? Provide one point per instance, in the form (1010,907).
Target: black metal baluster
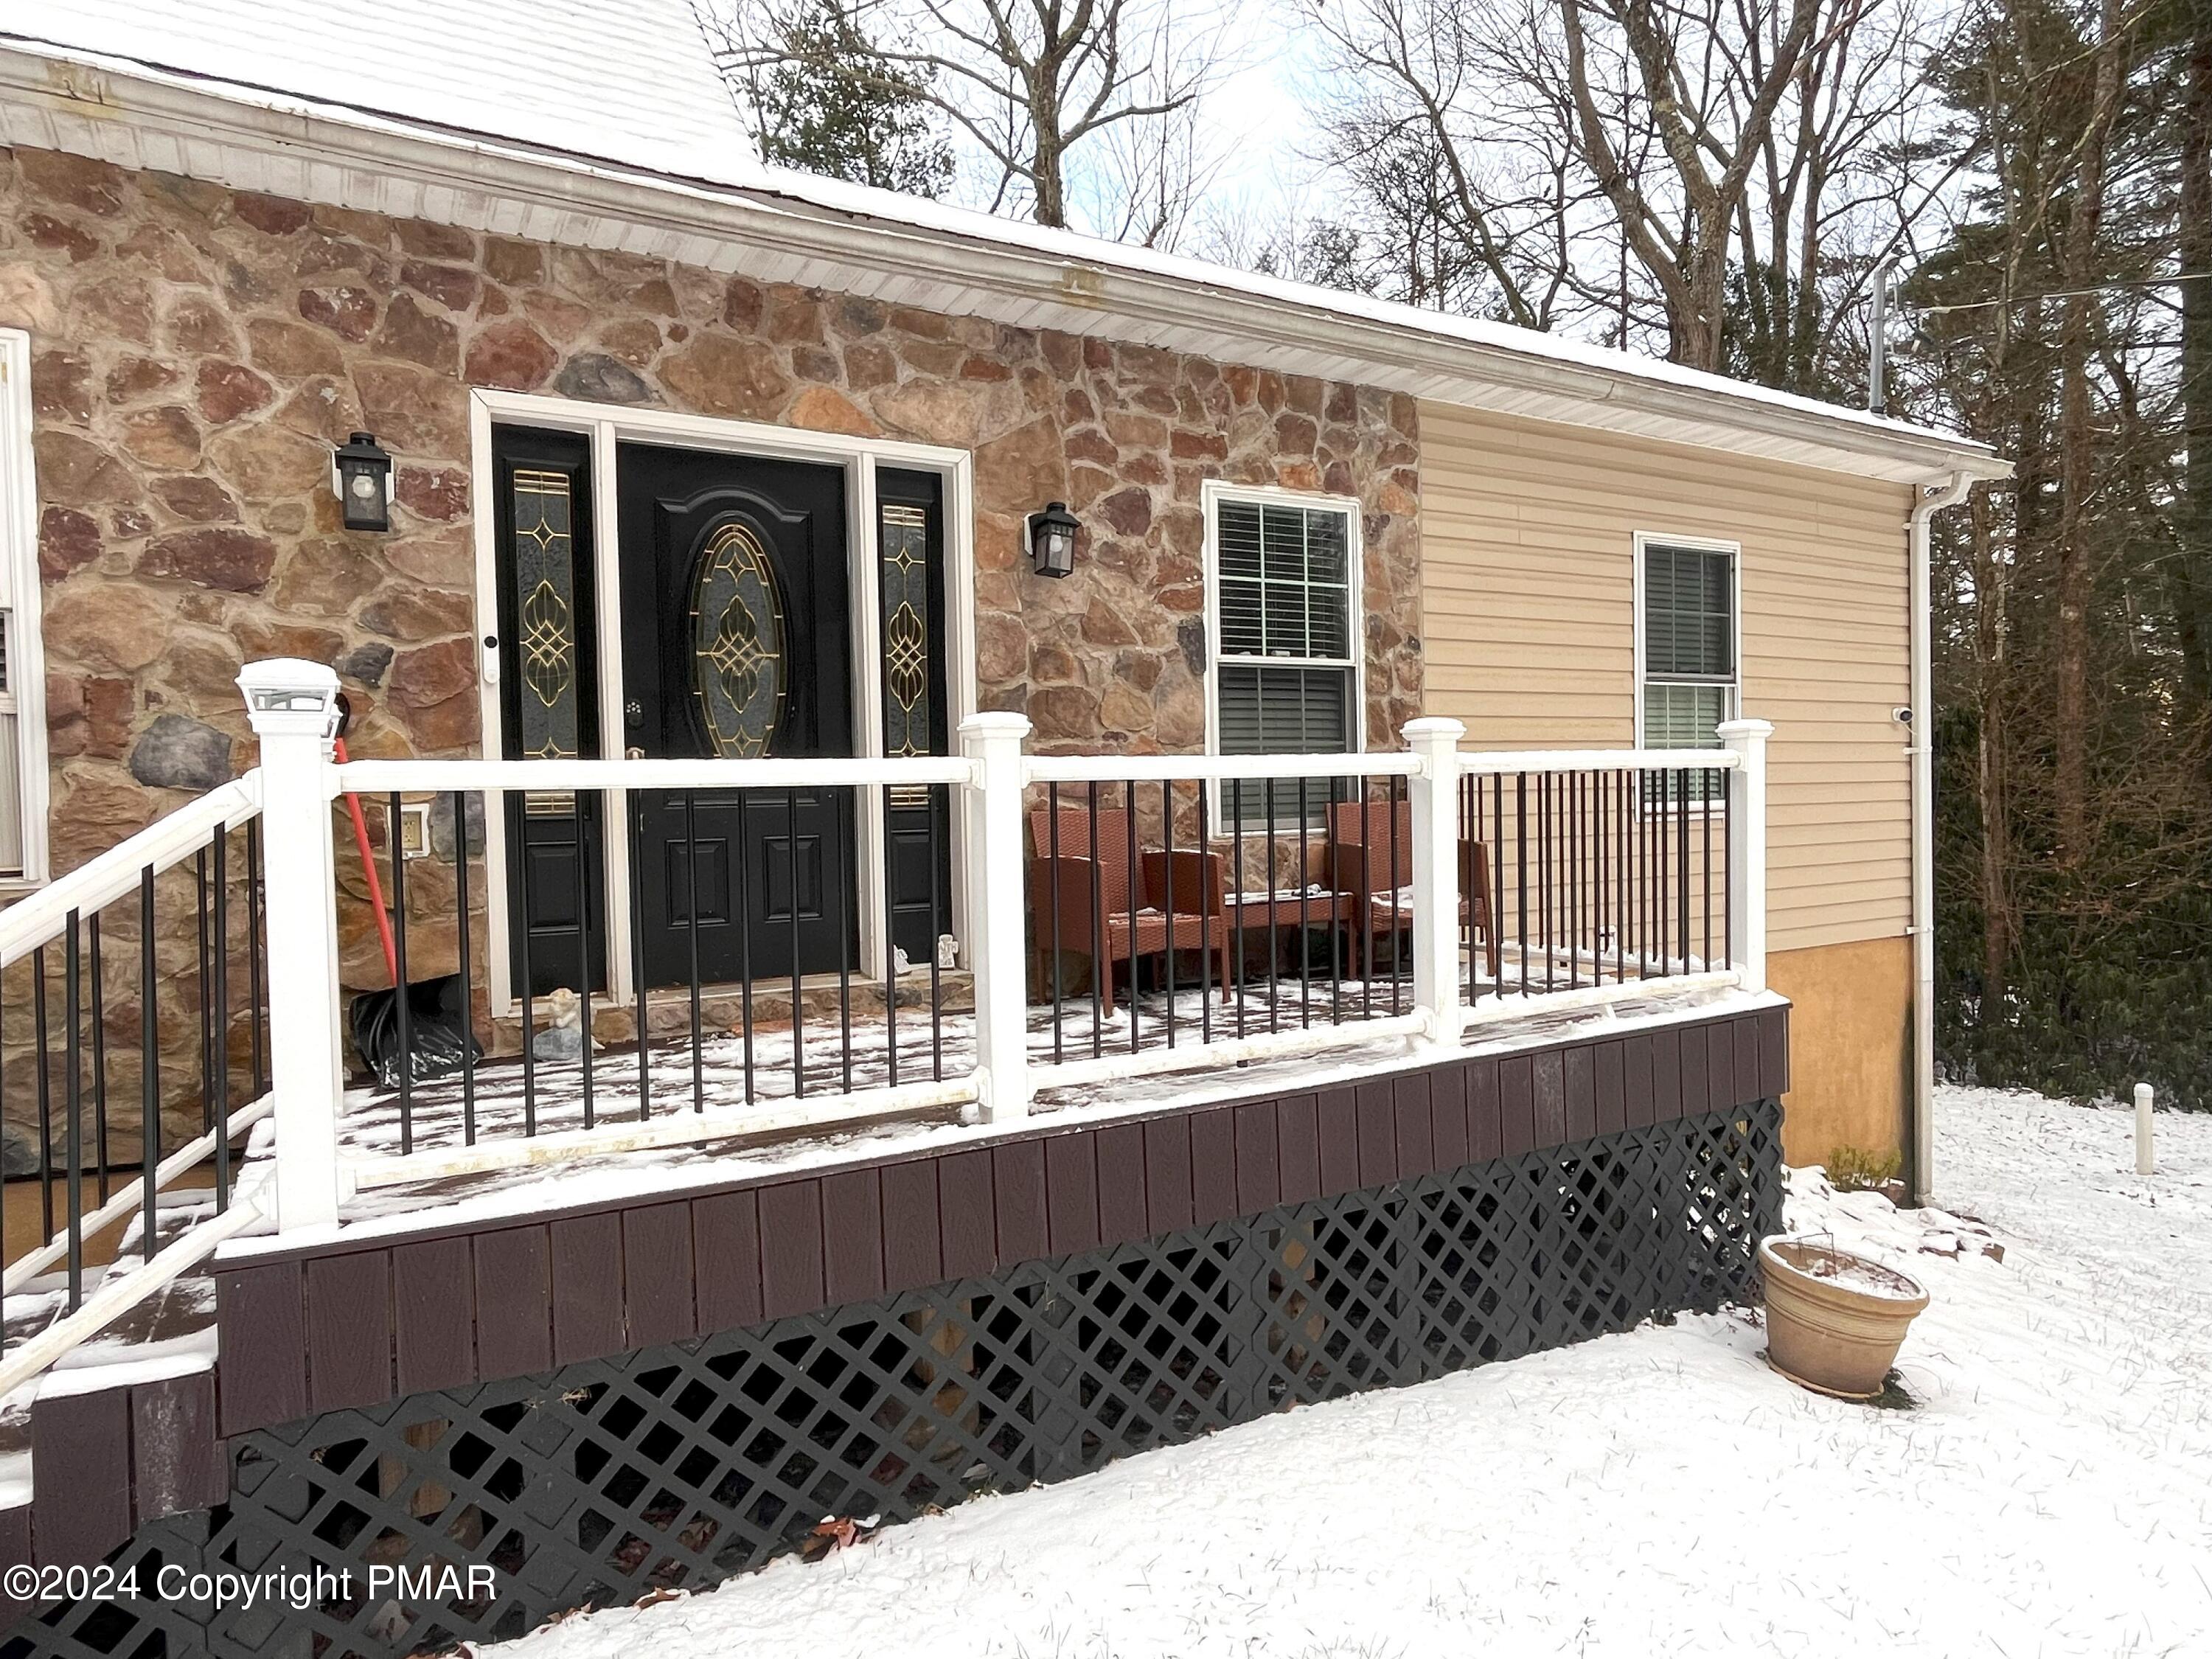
(1706,830)
(633,834)
(1467,832)
(1135,884)
(1594,791)
(936,969)
(149,1064)
(1205,963)
(1542,843)
(207,1041)
(798,1017)
(1576,872)
(1167,859)
(529,1014)
(257,958)
(1663,825)
(745,964)
(1052,889)
(1102,963)
(1337,943)
(1367,898)
(1274,929)
(1305,918)
(1682,867)
(890,943)
(462,927)
(846,882)
(98,1055)
(1728,866)
(1521,868)
(691,941)
(1624,885)
(1392,788)
(585,906)
(45,1095)
(219,1023)
(392,811)
(73,1101)
(1237,902)
(1497,877)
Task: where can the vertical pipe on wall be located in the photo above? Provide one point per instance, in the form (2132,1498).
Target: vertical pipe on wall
(1931,499)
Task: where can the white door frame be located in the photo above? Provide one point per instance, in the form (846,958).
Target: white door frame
(607,426)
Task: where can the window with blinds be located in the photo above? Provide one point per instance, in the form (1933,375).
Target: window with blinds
(1689,644)
(1284,682)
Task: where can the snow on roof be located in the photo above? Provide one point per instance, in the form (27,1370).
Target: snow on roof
(620,85)
(945,217)
(632,82)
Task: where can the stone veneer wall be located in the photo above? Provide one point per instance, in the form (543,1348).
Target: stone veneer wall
(198,351)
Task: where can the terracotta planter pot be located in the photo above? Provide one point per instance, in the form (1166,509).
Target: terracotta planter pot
(1835,1321)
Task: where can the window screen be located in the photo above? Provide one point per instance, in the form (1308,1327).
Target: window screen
(1284,682)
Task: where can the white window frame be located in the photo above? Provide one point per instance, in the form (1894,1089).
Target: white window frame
(1732,703)
(607,426)
(20,594)
(1212,493)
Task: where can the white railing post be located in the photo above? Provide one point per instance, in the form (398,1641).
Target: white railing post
(293,706)
(1434,794)
(1746,872)
(999,948)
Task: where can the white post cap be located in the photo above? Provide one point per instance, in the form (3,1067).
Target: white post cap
(1743,728)
(996,723)
(1434,728)
(286,696)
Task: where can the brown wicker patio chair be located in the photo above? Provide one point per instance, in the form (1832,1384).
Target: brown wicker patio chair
(1105,915)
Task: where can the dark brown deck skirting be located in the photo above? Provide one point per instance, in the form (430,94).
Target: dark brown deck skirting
(450,1306)
(453,1306)
(106,1462)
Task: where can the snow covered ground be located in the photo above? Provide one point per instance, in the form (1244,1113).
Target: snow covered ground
(1661,1492)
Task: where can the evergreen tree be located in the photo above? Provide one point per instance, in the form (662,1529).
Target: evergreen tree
(872,126)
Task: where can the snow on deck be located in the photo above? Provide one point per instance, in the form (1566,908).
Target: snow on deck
(371,1123)
(1660,1492)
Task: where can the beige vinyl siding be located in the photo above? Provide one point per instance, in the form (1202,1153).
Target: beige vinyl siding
(1528,562)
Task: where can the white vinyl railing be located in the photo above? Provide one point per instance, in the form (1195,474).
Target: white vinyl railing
(994,784)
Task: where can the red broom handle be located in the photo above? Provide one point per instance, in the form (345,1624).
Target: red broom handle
(369,868)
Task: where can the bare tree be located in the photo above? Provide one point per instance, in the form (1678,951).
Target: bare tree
(1025,83)
(1716,175)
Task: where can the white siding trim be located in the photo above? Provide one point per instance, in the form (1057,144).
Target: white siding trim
(19,593)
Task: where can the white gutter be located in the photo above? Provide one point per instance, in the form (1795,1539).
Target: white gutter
(1931,500)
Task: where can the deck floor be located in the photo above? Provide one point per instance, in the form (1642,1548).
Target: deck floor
(177,1326)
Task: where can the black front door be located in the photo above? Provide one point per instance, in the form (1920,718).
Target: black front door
(735,620)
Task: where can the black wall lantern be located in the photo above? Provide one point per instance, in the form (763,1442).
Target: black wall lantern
(1049,537)
(361,473)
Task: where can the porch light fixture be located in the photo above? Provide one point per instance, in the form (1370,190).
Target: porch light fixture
(361,476)
(1049,539)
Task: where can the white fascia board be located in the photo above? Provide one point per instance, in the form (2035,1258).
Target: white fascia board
(908,251)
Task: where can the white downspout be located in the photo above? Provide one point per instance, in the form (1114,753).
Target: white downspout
(1931,500)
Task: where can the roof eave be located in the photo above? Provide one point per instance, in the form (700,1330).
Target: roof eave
(142,119)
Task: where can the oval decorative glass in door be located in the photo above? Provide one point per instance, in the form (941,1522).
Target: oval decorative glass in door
(736,644)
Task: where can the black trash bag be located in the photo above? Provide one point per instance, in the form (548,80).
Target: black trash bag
(437,1030)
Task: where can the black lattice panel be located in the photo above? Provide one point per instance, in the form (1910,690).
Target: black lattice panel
(680,1466)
